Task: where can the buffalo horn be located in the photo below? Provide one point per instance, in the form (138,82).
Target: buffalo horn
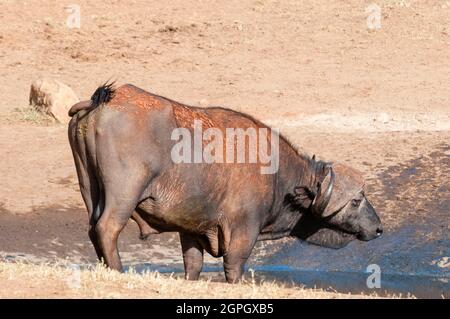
(322,199)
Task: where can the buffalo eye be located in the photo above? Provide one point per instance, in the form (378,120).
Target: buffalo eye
(356,202)
(303,196)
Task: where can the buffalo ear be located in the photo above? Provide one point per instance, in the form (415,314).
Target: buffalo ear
(303,196)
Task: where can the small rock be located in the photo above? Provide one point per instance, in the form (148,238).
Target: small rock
(53,98)
(169,28)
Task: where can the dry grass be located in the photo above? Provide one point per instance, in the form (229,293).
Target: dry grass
(31,116)
(21,280)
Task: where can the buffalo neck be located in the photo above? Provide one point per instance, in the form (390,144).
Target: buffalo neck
(295,169)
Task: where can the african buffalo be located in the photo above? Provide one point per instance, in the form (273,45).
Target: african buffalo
(122,142)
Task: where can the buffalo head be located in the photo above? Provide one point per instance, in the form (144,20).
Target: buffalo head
(339,208)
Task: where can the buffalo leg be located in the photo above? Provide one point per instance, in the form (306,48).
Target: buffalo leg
(124,178)
(108,228)
(240,248)
(87,180)
(144,228)
(192,256)
(94,239)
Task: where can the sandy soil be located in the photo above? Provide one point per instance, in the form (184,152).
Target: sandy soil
(377,100)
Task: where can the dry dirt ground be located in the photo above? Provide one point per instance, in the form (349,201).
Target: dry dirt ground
(376,99)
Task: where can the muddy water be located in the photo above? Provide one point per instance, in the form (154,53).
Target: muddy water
(413,255)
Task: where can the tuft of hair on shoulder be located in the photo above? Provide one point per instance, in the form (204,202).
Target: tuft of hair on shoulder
(103,94)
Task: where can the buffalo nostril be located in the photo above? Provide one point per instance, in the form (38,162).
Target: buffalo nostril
(379,231)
